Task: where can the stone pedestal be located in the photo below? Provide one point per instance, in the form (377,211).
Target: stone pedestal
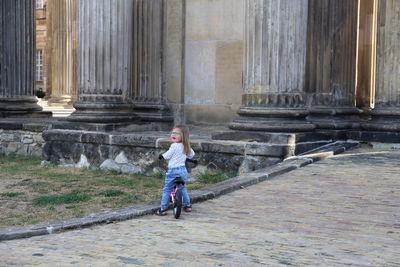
(104,52)
(148,62)
(17,59)
(274,67)
(331,63)
(61,52)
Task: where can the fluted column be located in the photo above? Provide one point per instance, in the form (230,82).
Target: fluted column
(331,63)
(148,64)
(61,52)
(386,114)
(274,67)
(17,58)
(105,35)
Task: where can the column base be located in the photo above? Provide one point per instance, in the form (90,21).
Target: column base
(334,118)
(153,112)
(272,120)
(60,101)
(102,113)
(383,119)
(21,107)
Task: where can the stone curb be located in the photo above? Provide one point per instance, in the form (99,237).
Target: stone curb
(203,194)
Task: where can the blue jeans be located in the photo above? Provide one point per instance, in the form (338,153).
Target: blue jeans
(169,186)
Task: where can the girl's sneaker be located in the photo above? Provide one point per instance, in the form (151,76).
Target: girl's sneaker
(161,212)
(188,208)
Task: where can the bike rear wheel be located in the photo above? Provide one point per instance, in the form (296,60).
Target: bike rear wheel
(178,203)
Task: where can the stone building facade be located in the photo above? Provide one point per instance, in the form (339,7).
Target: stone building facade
(204,61)
(307,70)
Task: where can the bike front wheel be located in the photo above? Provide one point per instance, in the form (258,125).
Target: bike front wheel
(178,203)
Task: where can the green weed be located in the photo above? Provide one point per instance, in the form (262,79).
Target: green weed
(112,193)
(208,177)
(11,194)
(72,197)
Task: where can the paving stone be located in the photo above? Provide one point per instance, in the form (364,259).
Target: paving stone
(343,210)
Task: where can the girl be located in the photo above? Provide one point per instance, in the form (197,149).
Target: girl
(176,155)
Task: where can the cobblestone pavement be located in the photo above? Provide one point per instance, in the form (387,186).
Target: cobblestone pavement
(344,210)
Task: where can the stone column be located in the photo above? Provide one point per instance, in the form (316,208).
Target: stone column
(105,46)
(274,67)
(386,114)
(331,63)
(61,52)
(148,61)
(17,58)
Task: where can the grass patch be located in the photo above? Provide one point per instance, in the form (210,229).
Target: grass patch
(31,193)
(73,197)
(11,194)
(209,177)
(112,193)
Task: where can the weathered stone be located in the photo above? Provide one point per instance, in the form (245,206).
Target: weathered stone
(246,136)
(95,137)
(269,150)
(45,163)
(34,127)
(83,162)
(27,139)
(133,140)
(109,164)
(7,137)
(223,147)
(121,158)
(38,138)
(62,135)
(13,147)
(251,163)
(131,168)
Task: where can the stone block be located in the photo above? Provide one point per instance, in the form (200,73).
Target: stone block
(246,136)
(95,137)
(22,150)
(133,140)
(7,137)
(11,125)
(251,163)
(225,147)
(34,127)
(13,147)
(272,150)
(27,139)
(37,138)
(62,135)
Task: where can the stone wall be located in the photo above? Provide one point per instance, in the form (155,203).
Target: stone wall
(21,142)
(138,152)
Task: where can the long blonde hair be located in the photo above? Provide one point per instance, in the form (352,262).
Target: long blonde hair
(185,138)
